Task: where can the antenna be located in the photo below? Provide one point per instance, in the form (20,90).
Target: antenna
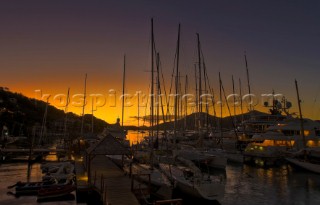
(84,103)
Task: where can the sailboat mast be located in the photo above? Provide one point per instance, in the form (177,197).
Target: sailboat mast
(138,111)
(123,87)
(197,107)
(158,95)
(176,86)
(179,99)
(300,113)
(44,122)
(66,117)
(152,85)
(92,116)
(200,81)
(240,91)
(186,102)
(84,103)
(234,100)
(220,93)
(248,82)
(65,125)
(151,143)
(206,92)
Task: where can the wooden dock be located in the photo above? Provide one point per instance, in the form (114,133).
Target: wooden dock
(101,175)
(107,179)
(116,186)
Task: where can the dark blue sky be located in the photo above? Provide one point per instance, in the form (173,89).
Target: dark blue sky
(49,45)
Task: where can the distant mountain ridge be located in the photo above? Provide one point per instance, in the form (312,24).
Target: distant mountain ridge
(189,122)
(21,115)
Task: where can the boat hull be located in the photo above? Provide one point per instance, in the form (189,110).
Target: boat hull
(216,191)
(55,192)
(305,165)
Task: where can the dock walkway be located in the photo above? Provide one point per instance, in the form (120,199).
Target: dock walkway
(117,185)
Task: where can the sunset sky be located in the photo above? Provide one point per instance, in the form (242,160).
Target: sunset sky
(51,45)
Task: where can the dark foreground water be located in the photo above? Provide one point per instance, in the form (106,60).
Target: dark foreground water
(245,185)
(282,185)
(11,173)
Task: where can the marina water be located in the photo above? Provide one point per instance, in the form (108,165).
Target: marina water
(244,185)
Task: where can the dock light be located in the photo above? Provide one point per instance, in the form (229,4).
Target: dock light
(79,159)
(82,142)
(83,178)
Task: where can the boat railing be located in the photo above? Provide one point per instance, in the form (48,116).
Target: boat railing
(141,192)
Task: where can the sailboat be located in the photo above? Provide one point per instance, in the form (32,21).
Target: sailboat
(161,186)
(199,153)
(186,176)
(189,180)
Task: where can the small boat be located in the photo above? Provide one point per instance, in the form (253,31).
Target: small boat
(29,188)
(51,165)
(55,192)
(65,171)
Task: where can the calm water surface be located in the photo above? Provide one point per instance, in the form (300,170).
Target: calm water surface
(251,185)
(282,185)
(13,172)
(245,185)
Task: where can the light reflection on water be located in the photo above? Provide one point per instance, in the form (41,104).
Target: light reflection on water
(244,184)
(134,136)
(283,185)
(251,185)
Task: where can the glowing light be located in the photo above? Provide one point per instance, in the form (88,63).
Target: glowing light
(83,178)
(79,159)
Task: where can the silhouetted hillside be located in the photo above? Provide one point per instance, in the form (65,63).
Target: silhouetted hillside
(24,116)
(189,122)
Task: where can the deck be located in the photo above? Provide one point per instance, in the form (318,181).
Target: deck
(117,184)
(107,179)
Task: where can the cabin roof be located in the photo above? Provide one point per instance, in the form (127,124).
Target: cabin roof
(108,145)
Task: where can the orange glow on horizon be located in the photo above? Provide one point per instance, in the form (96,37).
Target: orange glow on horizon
(111,109)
